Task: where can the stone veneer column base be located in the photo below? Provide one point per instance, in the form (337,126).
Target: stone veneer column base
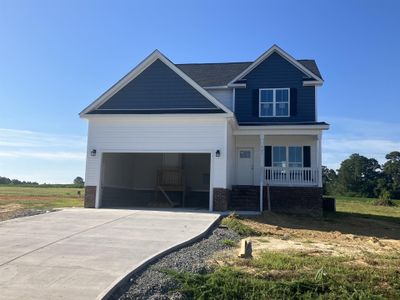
(221,198)
(295,200)
(90,197)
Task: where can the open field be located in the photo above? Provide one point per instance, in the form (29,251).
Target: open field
(351,254)
(364,206)
(20,200)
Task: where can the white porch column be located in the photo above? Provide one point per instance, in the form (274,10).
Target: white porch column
(262,172)
(319,158)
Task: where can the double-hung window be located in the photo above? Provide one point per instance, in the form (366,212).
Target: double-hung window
(274,102)
(291,156)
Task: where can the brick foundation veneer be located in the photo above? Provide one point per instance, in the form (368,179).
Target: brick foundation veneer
(221,199)
(296,200)
(90,196)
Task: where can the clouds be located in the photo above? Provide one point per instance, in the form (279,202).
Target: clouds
(368,138)
(43,157)
(32,139)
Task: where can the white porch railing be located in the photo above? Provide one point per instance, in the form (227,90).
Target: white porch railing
(291,176)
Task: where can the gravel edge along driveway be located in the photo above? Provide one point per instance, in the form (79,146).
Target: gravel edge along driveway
(153,284)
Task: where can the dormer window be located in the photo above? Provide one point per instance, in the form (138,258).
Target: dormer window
(274,102)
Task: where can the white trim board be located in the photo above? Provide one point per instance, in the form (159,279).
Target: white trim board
(290,127)
(101,152)
(280,130)
(288,57)
(236,85)
(166,116)
(156,109)
(139,69)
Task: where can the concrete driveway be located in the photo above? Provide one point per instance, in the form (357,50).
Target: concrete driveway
(80,253)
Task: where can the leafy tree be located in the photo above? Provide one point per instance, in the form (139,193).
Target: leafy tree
(79,181)
(5,180)
(391,171)
(329,180)
(383,187)
(358,175)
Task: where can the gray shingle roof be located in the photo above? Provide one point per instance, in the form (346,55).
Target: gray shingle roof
(220,74)
(213,74)
(311,65)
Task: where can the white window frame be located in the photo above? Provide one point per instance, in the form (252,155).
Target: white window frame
(287,162)
(273,103)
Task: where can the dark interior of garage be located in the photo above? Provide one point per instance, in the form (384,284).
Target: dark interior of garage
(155,180)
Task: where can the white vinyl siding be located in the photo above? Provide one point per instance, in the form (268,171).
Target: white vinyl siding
(157,134)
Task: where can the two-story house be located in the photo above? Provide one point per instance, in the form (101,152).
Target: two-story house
(238,136)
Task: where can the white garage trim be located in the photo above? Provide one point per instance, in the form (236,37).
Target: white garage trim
(102,151)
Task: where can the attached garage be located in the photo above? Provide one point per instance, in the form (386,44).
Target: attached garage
(155,180)
(158,139)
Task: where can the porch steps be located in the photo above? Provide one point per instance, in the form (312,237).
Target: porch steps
(245,198)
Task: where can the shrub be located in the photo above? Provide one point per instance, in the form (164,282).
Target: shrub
(384,202)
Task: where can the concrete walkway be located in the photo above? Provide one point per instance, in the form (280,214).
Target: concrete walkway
(80,253)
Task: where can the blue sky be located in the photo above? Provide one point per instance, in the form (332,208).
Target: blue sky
(58,56)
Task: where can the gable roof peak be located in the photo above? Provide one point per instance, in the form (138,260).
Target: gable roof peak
(143,65)
(276,49)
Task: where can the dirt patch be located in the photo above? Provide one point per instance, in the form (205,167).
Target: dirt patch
(317,247)
(277,244)
(11,211)
(10,207)
(318,237)
(357,234)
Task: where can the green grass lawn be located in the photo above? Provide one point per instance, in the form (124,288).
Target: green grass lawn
(365,206)
(40,197)
(288,275)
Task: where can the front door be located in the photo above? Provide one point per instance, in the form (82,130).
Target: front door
(244,166)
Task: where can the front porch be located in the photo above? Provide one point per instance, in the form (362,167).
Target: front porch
(282,163)
(278,157)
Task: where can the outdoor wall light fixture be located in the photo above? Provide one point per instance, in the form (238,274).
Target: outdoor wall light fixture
(217,153)
(93,152)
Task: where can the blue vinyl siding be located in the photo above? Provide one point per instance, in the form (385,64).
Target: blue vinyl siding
(158,87)
(275,72)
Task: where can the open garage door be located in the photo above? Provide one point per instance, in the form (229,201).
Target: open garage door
(156,180)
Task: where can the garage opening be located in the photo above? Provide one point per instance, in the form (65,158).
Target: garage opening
(156,180)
